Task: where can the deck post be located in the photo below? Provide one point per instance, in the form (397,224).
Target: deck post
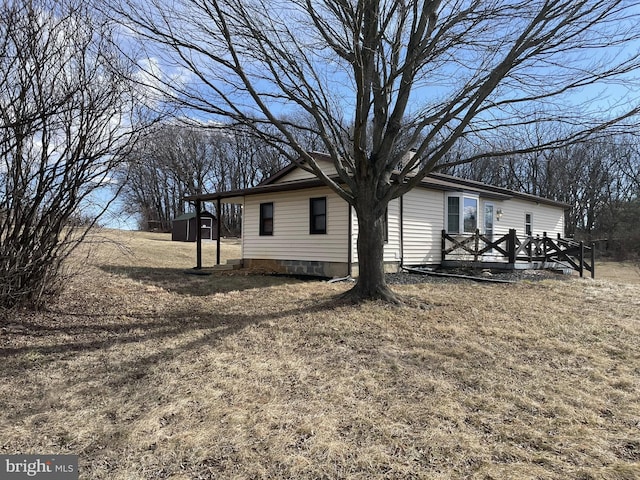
(593,260)
(198,235)
(581,270)
(476,245)
(511,246)
(443,245)
(544,245)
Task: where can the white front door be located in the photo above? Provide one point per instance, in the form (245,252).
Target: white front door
(488,220)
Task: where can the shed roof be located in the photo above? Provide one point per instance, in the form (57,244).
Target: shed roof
(190,215)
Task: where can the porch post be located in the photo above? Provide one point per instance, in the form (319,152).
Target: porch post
(401,231)
(593,260)
(218,223)
(511,246)
(198,235)
(476,245)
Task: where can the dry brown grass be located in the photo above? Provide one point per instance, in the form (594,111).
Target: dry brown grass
(144,249)
(625,272)
(275,379)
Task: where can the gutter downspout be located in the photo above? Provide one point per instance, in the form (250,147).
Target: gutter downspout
(349,246)
(401,231)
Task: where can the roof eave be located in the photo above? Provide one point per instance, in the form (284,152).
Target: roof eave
(435,181)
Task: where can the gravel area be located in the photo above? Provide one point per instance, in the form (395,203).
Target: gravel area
(457,275)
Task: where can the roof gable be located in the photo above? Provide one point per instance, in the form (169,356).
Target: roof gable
(325,162)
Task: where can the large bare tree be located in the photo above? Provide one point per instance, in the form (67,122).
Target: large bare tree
(381,77)
(65,108)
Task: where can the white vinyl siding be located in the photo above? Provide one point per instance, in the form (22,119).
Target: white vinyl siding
(291,239)
(546,218)
(424,218)
(392,245)
(300,174)
(297,174)
(423,224)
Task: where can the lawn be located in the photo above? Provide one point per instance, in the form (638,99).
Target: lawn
(147,372)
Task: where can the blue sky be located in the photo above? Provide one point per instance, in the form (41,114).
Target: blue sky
(604,98)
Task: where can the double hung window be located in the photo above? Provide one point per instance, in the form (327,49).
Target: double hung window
(318,215)
(266,218)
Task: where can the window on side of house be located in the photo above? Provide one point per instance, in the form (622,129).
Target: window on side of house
(318,215)
(453,214)
(470,215)
(462,213)
(266,218)
(528,224)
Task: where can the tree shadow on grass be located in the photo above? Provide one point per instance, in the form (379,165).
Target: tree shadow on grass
(65,339)
(131,358)
(180,281)
(122,349)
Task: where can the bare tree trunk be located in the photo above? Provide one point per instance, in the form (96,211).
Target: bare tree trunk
(371,283)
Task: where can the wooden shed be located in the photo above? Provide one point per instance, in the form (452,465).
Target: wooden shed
(183,228)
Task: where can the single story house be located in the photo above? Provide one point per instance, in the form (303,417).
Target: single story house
(184,227)
(293,223)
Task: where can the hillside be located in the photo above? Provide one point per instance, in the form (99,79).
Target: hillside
(147,372)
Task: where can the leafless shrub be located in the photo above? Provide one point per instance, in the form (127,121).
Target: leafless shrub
(66,114)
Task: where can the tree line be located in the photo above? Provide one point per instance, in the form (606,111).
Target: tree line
(178,159)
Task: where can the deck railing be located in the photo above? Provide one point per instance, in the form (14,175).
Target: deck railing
(510,249)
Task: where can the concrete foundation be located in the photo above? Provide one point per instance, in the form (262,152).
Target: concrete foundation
(306,267)
(299,267)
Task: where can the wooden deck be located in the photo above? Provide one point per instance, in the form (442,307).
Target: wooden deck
(512,252)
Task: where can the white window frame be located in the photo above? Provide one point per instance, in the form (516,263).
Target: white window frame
(528,224)
(461,196)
